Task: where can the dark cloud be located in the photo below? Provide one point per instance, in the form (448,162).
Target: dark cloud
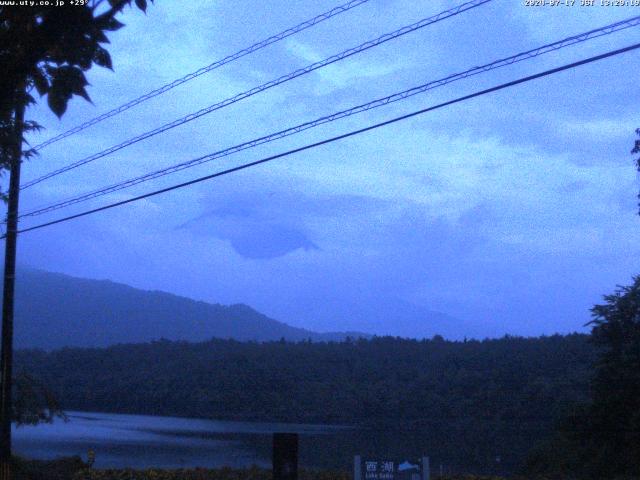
(265,225)
(264,241)
(251,237)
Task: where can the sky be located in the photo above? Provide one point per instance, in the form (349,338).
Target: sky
(512,213)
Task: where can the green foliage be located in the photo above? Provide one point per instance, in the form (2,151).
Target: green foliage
(600,439)
(48,48)
(362,381)
(7,141)
(73,468)
(252,473)
(614,416)
(33,403)
(59,469)
(465,400)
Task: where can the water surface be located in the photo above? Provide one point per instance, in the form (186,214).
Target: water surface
(142,441)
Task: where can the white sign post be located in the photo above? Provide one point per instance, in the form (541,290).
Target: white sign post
(391,470)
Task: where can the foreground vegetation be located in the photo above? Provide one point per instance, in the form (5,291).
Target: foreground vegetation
(229,474)
(74,469)
(252,473)
(600,439)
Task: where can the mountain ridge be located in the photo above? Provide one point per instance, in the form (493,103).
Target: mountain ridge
(55,310)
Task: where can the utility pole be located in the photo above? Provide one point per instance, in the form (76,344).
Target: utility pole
(6,361)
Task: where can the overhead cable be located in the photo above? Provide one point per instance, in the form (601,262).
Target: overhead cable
(201,71)
(339,137)
(551,47)
(285,78)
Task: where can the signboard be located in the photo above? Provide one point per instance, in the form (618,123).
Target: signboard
(379,470)
(388,469)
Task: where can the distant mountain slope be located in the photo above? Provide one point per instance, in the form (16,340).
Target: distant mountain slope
(55,310)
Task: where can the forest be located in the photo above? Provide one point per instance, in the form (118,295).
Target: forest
(354,382)
(467,402)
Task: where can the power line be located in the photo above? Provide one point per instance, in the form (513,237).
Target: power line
(569,41)
(201,71)
(285,78)
(340,137)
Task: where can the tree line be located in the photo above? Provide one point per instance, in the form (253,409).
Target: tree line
(466,402)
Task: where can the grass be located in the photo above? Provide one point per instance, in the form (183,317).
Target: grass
(59,469)
(73,468)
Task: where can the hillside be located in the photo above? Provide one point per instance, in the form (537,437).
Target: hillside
(55,310)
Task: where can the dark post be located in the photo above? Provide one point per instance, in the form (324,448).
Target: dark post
(6,361)
(426,469)
(285,456)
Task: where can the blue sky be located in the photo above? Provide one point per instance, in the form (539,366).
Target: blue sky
(511,213)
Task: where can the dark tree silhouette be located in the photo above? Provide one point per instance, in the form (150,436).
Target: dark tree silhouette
(615,410)
(46,48)
(33,402)
(600,439)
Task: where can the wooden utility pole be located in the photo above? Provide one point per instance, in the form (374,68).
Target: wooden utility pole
(6,361)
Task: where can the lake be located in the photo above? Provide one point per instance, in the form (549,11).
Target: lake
(141,441)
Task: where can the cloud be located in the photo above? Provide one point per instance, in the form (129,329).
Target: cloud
(513,212)
(253,230)
(600,130)
(251,238)
(345,73)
